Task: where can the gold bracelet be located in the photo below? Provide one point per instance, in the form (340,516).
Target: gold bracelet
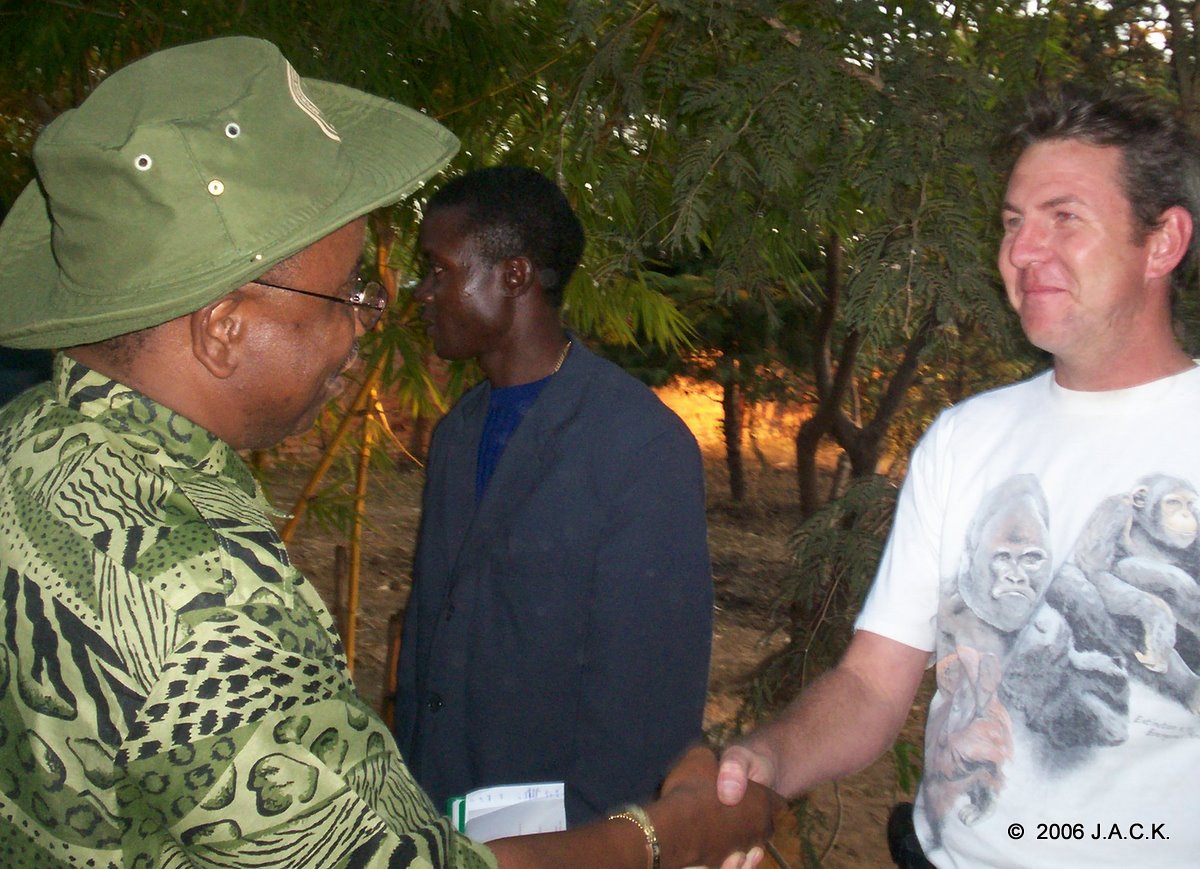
(637,815)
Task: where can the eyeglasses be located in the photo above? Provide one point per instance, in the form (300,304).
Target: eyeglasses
(368,298)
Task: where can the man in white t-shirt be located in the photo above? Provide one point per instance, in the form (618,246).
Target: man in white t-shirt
(1044,556)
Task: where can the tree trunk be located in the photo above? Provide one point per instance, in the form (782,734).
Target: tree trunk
(808,438)
(841,477)
(864,443)
(836,391)
(418,436)
(831,383)
(732,402)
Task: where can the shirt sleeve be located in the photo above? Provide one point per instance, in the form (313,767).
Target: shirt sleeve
(903,601)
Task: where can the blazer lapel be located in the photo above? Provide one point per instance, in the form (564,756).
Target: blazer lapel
(533,444)
(460,475)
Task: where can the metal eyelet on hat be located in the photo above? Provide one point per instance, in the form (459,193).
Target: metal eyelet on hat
(143,162)
(215,187)
(232,130)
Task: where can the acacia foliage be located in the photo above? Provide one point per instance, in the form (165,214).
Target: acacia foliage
(744,134)
(818,155)
(497,72)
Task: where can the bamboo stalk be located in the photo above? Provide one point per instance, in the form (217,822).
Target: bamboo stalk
(365,392)
(360,509)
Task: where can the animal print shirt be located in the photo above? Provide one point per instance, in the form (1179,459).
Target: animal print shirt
(172,691)
(1046,550)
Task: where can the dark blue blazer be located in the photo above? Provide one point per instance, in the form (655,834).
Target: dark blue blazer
(562,628)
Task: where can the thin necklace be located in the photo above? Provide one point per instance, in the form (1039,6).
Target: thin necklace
(562,357)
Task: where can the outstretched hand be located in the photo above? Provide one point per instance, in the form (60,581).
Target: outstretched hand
(741,765)
(714,832)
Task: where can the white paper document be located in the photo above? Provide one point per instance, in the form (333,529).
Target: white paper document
(510,810)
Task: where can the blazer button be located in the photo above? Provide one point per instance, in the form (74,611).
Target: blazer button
(434,702)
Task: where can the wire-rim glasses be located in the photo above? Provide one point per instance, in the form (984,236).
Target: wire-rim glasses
(368,298)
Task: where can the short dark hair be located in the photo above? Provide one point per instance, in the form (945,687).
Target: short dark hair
(122,351)
(1160,157)
(516,211)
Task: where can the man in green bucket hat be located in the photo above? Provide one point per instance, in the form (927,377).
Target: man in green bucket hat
(172,690)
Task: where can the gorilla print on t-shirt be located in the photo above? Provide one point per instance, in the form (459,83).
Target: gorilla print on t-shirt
(1044,662)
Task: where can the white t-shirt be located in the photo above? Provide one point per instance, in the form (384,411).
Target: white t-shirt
(1064,731)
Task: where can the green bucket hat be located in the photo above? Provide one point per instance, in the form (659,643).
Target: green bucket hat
(187,174)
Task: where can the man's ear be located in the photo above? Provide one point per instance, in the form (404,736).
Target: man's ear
(217,332)
(1169,241)
(518,275)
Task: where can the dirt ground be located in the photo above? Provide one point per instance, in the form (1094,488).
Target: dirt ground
(749,547)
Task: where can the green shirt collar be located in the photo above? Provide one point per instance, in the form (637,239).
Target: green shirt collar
(148,425)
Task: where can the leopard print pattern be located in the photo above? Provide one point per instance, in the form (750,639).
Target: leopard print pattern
(172,691)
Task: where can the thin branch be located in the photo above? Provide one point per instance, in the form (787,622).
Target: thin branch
(874,79)
(78,7)
(537,70)
(736,136)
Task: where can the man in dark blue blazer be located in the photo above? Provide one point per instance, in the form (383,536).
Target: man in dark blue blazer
(560,622)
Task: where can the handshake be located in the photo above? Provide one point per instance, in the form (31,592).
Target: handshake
(730,814)
(707,814)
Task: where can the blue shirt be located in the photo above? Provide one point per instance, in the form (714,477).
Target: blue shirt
(506,408)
